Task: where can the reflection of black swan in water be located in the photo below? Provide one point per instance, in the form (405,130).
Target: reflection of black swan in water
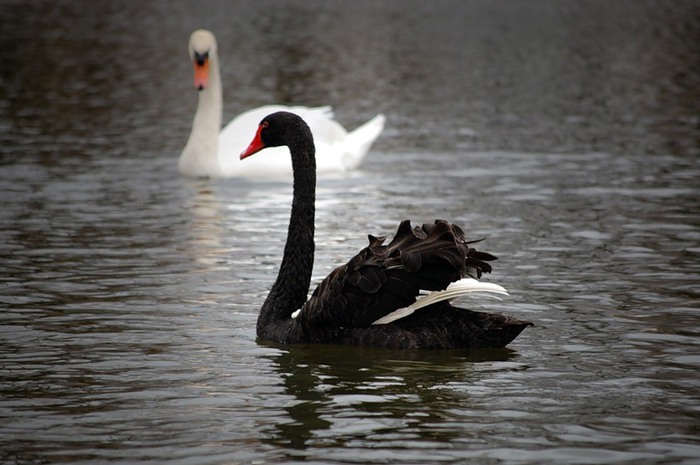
(318,377)
(371,301)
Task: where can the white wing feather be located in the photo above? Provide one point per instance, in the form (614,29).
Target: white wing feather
(456,289)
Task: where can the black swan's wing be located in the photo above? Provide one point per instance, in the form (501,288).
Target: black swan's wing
(383,278)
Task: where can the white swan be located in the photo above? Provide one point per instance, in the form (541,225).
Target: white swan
(213,153)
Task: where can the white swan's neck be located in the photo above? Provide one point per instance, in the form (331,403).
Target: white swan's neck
(200,156)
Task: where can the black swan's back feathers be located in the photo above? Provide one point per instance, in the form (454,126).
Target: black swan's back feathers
(383,278)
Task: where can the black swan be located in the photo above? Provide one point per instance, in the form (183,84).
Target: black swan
(377,298)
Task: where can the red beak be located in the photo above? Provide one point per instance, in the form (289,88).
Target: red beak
(201,75)
(255,146)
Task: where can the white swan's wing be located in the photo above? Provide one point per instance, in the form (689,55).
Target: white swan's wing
(236,136)
(336,150)
(358,142)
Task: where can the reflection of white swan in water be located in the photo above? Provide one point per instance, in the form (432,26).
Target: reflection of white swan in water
(214,153)
(223,256)
(216,212)
(205,229)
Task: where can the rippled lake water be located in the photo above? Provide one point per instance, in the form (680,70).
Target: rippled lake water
(565,133)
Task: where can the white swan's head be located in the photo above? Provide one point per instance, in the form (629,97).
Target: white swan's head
(202,51)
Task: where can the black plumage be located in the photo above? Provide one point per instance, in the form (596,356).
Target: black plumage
(381,278)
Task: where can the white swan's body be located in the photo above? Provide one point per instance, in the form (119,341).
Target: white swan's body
(214,153)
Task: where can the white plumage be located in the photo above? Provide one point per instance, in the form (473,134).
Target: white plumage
(214,152)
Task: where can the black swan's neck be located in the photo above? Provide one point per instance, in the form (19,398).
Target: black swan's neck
(290,290)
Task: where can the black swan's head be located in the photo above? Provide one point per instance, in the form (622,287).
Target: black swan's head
(277,129)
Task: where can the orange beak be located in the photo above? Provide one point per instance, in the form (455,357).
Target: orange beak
(255,146)
(201,75)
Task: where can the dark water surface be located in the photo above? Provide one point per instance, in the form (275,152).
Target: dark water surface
(566,133)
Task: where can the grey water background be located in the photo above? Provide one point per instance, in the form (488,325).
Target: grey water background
(565,133)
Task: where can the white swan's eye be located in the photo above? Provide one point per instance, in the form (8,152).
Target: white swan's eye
(201,58)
